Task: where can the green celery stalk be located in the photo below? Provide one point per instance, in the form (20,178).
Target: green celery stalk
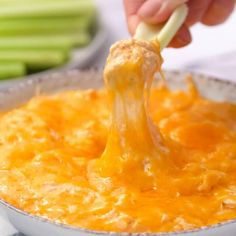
(11,69)
(35,59)
(41,26)
(62,42)
(47,9)
(20,2)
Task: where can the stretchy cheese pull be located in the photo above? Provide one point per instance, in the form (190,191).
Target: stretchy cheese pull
(134,144)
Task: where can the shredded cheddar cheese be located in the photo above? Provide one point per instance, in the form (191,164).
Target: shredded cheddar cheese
(125,159)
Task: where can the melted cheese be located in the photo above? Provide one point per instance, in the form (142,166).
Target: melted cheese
(133,143)
(139,163)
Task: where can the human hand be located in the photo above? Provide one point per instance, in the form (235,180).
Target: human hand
(209,12)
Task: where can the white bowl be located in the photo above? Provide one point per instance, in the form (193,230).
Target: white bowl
(22,91)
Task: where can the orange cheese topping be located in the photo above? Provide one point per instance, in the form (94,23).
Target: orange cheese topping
(164,166)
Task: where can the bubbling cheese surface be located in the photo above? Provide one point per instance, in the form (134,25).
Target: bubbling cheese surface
(125,159)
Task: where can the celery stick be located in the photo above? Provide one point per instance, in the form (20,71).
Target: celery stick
(20,2)
(163,32)
(35,59)
(11,69)
(172,25)
(41,26)
(48,9)
(63,41)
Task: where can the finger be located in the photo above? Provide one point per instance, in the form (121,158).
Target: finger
(149,9)
(131,9)
(132,6)
(197,9)
(182,38)
(167,9)
(160,10)
(133,22)
(218,12)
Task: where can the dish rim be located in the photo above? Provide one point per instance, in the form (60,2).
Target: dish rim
(33,81)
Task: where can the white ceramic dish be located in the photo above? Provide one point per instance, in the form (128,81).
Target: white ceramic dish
(22,91)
